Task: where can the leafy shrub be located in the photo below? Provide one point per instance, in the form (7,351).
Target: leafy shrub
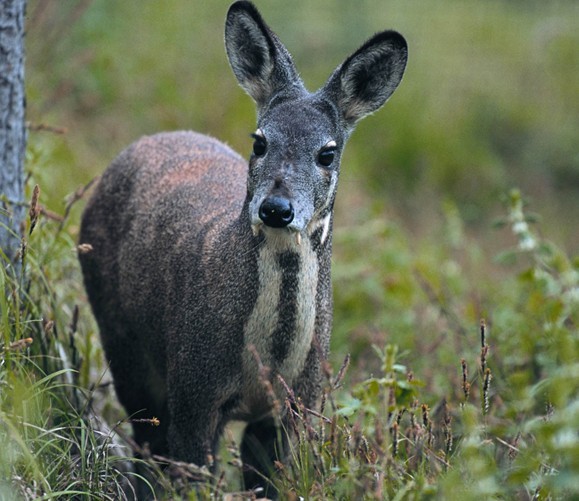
(441,405)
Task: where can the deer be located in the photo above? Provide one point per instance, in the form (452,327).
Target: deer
(204,267)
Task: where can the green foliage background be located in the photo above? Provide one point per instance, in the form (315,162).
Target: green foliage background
(430,237)
(489,99)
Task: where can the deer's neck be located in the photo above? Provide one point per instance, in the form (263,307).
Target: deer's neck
(281,325)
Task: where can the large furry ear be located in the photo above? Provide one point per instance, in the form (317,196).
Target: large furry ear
(262,65)
(365,81)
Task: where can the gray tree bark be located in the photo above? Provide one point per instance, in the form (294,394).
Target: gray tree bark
(12,126)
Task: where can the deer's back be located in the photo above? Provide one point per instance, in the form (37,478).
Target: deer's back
(169,164)
(147,223)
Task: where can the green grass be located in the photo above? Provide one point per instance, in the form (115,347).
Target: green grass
(432,404)
(430,239)
(505,440)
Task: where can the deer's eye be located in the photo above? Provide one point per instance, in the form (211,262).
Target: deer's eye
(327,154)
(259,143)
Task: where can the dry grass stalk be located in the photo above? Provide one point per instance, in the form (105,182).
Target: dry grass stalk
(342,372)
(465,383)
(20,344)
(427,422)
(483,358)
(23,251)
(395,439)
(264,377)
(41,127)
(34,210)
(154,421)
(446,427)
(486,390)
(483,328)
(484,346)
(75,197)
(53,216)
(414,431)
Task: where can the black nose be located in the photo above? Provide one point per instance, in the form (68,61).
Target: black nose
(276,212)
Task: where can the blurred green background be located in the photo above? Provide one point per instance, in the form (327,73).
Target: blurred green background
(489,101)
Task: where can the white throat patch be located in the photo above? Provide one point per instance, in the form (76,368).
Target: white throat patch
(264,320)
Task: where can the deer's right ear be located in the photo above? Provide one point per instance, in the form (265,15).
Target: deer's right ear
(260,62)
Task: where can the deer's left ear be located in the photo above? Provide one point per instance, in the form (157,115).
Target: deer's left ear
(365,81)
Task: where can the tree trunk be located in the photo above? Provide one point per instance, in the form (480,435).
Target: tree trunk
(12,127)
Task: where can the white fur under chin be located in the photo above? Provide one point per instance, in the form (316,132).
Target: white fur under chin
(263,320)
